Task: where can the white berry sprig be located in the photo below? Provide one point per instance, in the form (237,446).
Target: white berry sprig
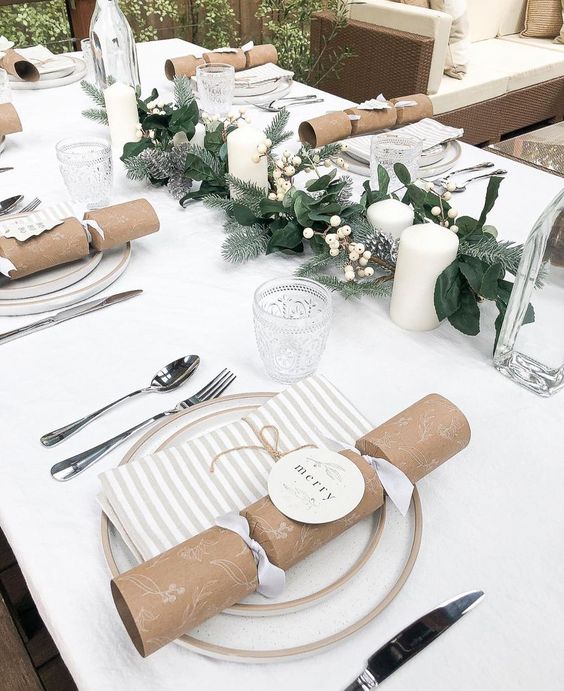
(445,217)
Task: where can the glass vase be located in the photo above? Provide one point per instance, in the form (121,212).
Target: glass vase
(113,46)
(532,353)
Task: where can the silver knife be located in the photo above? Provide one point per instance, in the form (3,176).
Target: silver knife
(65,315)
(413,640)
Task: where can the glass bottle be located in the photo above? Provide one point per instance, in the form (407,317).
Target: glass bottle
(113,46)
(532,354)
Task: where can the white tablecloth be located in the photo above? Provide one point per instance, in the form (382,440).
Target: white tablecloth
(494,517)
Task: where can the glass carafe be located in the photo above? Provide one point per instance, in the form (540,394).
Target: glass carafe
(532,354)
(113,46)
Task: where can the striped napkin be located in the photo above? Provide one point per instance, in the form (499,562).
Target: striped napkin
(163,499)
(261,74)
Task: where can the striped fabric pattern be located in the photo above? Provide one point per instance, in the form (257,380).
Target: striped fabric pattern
(163,499)
(543,18)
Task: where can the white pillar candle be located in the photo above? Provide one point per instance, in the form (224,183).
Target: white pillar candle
(121,106)
(242,146)
(425,250)
(390,216)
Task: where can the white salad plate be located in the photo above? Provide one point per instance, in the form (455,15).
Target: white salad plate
(328,596)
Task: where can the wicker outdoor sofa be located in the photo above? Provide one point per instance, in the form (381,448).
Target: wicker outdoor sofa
(512,82)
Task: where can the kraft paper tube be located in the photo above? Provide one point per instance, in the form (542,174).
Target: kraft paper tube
(186,585)
(238,59)
(325,129)
(9,119)
(167,596)
(423,109)
(260,55)
(182,67)
(122,223)
(64,243)
(16,65)
(372,120)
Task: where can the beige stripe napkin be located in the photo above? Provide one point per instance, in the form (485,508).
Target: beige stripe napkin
(163,499)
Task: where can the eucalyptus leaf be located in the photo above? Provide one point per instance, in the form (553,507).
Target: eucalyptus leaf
(490,281)
(473,270)
(383,180)
(402,174)
(319,184)
(243,215)
(288,237)
(491,198)
(467,316)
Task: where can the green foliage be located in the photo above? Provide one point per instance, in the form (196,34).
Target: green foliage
(243,242)
(214,24)
(276,130)
(288,23)
(31,23)
(147,17)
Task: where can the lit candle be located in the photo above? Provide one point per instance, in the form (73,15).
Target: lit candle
(425,250)
(242,154)
(121,106)
(390,216)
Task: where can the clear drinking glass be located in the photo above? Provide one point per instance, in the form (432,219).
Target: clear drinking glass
(5,91)
(216,83)
(87,56)
(86,167)
(532,354)
(292,321)
(389,148)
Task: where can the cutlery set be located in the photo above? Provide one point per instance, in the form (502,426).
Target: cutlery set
(288,102)
(461,187)
(10,205)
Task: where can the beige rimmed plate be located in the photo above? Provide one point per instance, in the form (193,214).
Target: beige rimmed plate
(314,578)
(111,266)
(50,280)
(312,625)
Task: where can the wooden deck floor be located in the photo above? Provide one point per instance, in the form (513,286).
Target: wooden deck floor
(29,660)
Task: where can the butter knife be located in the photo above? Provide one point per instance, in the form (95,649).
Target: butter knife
(413,639)
(65,315)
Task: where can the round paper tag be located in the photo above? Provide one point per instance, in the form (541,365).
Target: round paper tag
(315,485)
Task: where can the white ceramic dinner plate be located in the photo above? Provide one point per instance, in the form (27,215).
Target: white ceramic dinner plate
(110,267)
(329,595)
(268,92)
(50,280)
(53,80)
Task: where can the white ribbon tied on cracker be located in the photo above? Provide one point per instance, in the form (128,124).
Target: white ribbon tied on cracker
(395,482)
(245,48)
(271,578)
(90,224)
(378,103)
(6,266)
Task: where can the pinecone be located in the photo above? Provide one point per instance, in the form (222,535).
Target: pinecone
(383,246)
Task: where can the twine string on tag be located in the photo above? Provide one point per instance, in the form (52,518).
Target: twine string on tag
(273,450)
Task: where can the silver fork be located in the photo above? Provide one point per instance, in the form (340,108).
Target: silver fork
(33,204)
(298,101)
(79,463)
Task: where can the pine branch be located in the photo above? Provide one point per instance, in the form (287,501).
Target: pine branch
(380,287)
(489,250)
(319,263)
(246,193)
(275,131)
(98,115)
(183,94)
(244,243)
(136,168)
(93,92)
(215,201)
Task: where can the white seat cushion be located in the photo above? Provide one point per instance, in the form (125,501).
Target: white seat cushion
(514,17)
(546,43)
(479,84)
(525,65)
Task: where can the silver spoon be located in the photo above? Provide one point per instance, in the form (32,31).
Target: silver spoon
(166,379)
(464,185)
(8,204)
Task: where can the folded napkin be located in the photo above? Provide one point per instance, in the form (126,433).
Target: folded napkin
(45,60)
(167,497)
(9,119)
(261,74)
(241,58)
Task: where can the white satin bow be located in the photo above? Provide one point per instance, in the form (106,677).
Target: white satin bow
(395,482)
(271,578)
